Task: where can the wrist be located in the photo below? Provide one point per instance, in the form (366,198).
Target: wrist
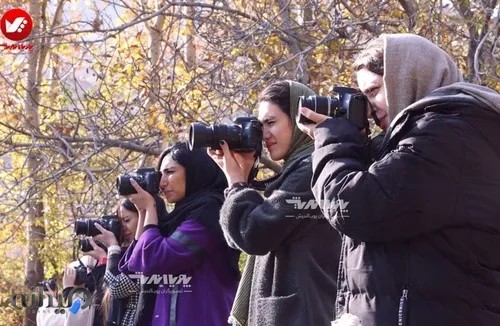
(114,249)
(235,186)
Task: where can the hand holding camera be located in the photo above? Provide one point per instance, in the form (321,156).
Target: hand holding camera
(148,179)
(97,252)
(106,237)
(142,199)
(236,166)
(85,245)
(69,277)
(348,103)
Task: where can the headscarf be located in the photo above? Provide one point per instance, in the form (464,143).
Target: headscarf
(205,184)
(413,68)
(300,141)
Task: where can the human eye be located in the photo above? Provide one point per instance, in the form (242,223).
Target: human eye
(373,92)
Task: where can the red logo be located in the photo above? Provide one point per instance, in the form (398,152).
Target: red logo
(16,24)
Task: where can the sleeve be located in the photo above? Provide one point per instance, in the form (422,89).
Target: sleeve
(123,263)
(66,292)
(112,265)
(412,190)
(183,250)
(258,225)
(121,286)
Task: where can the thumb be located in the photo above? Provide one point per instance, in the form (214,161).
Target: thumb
(99,227)
(228,158)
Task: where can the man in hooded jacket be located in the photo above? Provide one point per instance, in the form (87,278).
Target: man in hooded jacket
(422,222)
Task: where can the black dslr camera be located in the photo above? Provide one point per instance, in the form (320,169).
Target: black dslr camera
(349,103)
(109,222)
(245,135)
(147,178)
(82,276)
(48,284)
(85,246)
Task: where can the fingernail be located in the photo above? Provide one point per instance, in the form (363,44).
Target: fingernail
(222,142)
(302,110)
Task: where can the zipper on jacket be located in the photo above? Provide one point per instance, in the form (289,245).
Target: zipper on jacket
(403,308)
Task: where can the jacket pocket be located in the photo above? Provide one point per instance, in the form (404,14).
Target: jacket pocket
(275,311)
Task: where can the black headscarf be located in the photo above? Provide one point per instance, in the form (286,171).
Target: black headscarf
(205,184)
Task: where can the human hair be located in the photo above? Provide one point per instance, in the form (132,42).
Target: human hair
(277,93)
(178,150)
(372,57)
(129,206)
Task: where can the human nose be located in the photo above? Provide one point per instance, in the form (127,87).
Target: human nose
(163,180)
(266,134)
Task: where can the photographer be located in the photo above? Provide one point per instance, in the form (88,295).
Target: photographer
(290,276)
(189,247)
(46,314)
(121,292)
(89,276)
(422,228)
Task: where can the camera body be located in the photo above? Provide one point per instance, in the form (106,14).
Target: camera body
(147,178)
(85,246)
(245,135)
(82,276)
(48,284)
(109,222)
(348,102)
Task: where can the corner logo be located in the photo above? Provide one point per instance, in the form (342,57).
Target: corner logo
(16,24)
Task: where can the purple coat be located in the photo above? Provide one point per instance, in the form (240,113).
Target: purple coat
(198,285)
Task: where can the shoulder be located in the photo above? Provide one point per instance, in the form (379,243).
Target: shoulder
(297,176)
(434,126)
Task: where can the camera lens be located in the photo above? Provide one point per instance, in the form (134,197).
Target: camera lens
(200,136)
(86,227)
(124,186)
(210,136)
(81,227)
(84,245)
(320,104)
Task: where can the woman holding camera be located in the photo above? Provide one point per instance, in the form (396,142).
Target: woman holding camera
(198,272)
(290,277)
(122,291)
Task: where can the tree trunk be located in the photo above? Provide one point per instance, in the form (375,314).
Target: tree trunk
(35,227)
(189,46)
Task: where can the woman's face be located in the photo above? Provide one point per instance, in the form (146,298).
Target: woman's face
(173,180)
(129,223)
(277,129)
(372,85)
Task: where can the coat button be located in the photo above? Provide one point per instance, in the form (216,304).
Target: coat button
(341,300)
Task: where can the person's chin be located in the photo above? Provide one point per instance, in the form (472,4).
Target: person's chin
(276,156)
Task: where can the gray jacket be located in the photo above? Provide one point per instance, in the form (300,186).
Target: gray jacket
(297,251)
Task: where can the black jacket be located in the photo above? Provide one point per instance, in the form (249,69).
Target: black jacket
(422,223)
(294,278)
